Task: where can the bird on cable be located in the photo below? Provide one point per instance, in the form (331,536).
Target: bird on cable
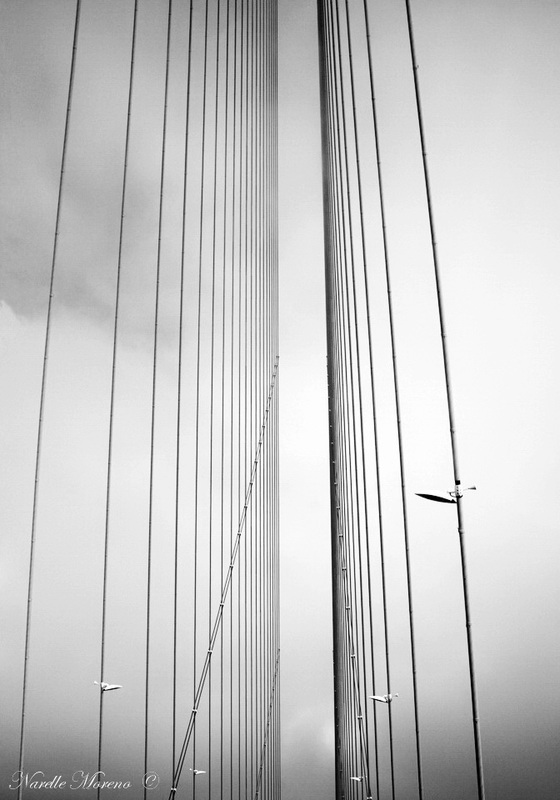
(108,687)
(452,495)
(383,698)
(359,778)
(197,771)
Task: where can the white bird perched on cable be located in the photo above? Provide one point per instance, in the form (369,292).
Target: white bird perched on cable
(197,771)
(383,698)
(359,778)
(108,687)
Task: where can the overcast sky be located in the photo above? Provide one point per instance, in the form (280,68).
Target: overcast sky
(490,80)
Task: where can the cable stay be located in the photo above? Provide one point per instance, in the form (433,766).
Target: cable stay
(153,399)
(400,444)
(207,305)
(180,347)
(446,369)
(124,184)
(344,359)
(225,590)
(267,728)
(42,397)
(357,440)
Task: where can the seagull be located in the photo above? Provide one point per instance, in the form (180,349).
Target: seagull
(359,778)
(108,687)
(383,698)
(452,495)
(197,771)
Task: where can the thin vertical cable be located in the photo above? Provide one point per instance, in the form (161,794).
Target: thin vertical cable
(43,395)
(212,373)
(342,291)
(232,385)
(381,195)
(179,387)
(454,455)
(223,388)
(153,402)
(113,386)
(374,413)
(329,300)
(200,684)
(198,377)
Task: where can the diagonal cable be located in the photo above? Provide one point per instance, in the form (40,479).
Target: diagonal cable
(225,590)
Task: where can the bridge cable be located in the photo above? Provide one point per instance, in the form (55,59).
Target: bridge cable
(30,580)
(124,185)
(374,402)
(202,678)
(180,382)
(198,371)
(379,173)
(153,399)
(454,454)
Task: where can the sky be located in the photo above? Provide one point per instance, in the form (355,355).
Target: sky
(489,75)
